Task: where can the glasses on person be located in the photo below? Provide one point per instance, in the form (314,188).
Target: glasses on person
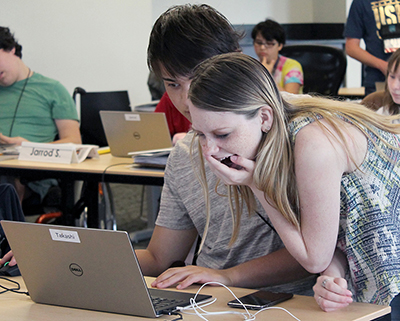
(268,44)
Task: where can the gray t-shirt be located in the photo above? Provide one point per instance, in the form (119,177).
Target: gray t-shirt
(183,207)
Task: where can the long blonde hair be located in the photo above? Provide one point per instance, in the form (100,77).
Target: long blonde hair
(240,84)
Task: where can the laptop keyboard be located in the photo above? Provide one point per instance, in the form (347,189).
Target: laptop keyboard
(162,303)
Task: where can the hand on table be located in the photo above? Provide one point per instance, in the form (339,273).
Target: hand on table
(331,293)
(188,275)
(8,257)
(11,140)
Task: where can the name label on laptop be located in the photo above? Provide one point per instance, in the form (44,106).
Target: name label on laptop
(57,153)
(65,236)
(132,117)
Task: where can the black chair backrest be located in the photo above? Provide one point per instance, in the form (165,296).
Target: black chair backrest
(91,103)
(324,67)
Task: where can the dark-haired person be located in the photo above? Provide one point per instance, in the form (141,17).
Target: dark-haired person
(254,257)
(33,107)
(373,22)
(268,39)
(10,209)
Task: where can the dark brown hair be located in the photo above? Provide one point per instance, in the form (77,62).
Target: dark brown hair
(185,35)
(8,42)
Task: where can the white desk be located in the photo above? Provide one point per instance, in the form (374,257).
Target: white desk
(352,93)
(19,307)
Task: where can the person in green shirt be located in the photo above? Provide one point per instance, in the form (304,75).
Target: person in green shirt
(33,107)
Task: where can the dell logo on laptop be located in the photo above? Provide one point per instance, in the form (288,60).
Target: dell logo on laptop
(76,269)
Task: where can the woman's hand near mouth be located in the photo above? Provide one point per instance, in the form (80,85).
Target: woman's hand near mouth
(240,171)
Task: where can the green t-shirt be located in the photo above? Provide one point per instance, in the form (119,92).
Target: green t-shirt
(43,101)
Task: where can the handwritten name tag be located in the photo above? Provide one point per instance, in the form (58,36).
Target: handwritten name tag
(56,153)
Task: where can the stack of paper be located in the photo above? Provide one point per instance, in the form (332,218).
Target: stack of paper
(8,151)
(151,158)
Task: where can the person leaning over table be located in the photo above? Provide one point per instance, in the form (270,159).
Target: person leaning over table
(253,257)
(33,108)
(268,39)
(326,172)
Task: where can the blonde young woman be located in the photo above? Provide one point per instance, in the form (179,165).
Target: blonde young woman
(326,172)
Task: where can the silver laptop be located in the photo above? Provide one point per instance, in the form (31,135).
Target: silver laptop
(129,132)
(86,268)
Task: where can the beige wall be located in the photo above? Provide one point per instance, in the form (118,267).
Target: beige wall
(283,11)
(95,44)
(333,11)
(101,44)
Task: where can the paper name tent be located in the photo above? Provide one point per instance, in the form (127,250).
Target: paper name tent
(57,153)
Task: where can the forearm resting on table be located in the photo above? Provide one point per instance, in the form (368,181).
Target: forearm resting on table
(331,290)
(166,247)
(149,264)
(70,139)
(338,266)
(275,268)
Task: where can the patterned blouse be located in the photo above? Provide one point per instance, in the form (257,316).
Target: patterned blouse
(369,228)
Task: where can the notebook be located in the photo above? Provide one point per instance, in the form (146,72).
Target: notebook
(151,161)
(86,268)
(129,132)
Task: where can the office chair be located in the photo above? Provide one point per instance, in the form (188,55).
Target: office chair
(324,67)
(90,105)
(93,133)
